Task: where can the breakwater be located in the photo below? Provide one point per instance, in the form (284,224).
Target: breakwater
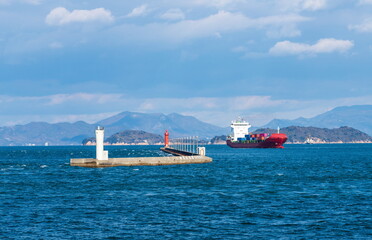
(139,161)
(189,154)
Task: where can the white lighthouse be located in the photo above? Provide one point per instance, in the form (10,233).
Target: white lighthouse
(100,153)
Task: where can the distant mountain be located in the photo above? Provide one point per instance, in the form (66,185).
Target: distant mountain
(39,133)
(300,134)
(177,125)
(359,117)
(134,136)
(219,139)
(129,137)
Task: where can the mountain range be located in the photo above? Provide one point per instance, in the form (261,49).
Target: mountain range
(39,133)
(358,117)
(178,125)
(129,137)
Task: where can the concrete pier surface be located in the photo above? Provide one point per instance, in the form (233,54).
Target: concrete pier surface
(139,161)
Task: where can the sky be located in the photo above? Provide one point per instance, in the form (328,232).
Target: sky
(64,60)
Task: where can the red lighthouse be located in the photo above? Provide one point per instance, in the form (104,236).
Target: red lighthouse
(166,138)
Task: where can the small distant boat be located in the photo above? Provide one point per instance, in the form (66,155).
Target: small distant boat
(309,141)
(240,137)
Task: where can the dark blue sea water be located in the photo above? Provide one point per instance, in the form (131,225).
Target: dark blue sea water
(300,192)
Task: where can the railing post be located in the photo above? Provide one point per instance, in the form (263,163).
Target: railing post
(197,144)
(188,144)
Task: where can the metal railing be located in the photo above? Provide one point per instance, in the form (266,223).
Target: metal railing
(187,144)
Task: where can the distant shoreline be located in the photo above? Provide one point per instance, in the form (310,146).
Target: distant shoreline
(124,144)
(359,142)
(216,144)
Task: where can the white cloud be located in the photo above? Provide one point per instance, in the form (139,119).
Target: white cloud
(239,49)
(58,99)
(366,26)
(209,26)
(302,5)
(326,45)
(85,106)
(139,11)
(188,56)
(205,103)
(216,110)
(282,25)
(248,50)
(365,2)
(62,16)
(216,3)
(56,45)
(11,120)
(215,25)
(173,14)
(61,107)
(289,30)
(32,2)
(253,6)
(279,20)
(314,5)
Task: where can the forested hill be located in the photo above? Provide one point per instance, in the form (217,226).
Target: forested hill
(129,137)
(300,134)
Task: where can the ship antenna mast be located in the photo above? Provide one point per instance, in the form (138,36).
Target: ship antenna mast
(278,129)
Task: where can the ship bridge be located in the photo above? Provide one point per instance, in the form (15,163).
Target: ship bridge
(239,128)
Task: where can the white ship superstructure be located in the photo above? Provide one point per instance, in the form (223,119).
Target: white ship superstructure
(239,128)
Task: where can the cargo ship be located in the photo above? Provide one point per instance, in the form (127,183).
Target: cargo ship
(241,138)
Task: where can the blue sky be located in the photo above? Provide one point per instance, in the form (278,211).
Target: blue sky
(212,59)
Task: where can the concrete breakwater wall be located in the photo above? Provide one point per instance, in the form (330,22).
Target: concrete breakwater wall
(139,161)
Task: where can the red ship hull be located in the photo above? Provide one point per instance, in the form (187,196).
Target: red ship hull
(276,140)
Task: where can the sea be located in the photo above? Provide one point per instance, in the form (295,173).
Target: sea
(300,192)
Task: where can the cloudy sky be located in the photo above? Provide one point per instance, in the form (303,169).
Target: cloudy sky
(67,60)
